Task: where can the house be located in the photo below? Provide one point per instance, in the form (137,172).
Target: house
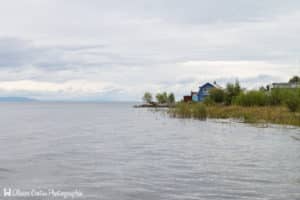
(202,93)
(192,97)
(204,90)
(284,85)
(187,98)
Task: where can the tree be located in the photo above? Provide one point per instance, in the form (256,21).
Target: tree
(217,95)
(295,79)
(147,97)
(232,90)
(162,98)
(171,98)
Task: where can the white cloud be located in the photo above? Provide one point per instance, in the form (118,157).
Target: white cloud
(118,49)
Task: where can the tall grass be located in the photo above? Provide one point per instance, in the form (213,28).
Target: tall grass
(182,110)
(253,114)
(189,110)
(256,114)
(199,111)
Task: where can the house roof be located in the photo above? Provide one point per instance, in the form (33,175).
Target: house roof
(211,84)
(217,85)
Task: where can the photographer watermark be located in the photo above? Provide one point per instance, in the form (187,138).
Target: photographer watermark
(15,192)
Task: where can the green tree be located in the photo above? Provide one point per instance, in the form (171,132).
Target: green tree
(161,98)
(171,98)
(217,95)
(295,79)
(147,97)
(232,91)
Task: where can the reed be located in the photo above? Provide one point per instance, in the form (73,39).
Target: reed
(189,110)
(254,114)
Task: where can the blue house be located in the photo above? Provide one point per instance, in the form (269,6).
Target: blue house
(202,93)
(194,96)
(204,90)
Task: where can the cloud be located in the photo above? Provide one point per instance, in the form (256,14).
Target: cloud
(131,47)
(72,88)
(14,52)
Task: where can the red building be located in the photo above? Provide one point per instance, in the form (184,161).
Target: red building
(191,97)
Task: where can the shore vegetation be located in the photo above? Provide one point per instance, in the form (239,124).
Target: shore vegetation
(277,105)
(163,99)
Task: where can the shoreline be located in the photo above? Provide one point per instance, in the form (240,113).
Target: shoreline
(154,106)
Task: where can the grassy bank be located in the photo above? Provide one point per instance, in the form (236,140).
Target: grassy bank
(253,114)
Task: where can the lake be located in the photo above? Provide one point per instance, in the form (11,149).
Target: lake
(113,151)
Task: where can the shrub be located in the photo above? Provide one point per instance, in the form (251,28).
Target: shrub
(276,97)
(252,98)
(208,101)
(217,95)
(280,95)
(293,103)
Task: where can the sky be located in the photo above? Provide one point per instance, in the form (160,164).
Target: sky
(116,50)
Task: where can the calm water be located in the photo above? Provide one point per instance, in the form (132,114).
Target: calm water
(112,151)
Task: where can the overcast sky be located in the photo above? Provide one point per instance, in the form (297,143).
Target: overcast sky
(117,49)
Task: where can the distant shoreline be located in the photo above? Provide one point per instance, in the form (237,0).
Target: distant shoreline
(153,106)
(17,99)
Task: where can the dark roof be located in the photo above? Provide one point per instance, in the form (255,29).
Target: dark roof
(215,85)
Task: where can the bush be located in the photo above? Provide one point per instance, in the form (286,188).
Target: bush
(280,95)
(252,98)
(276,97)
(217,95)
(288,97)
(208,101)
(293,103)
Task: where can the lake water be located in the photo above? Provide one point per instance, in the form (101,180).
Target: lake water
(113,151)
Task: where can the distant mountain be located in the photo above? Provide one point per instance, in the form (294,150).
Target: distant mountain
(16,99)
